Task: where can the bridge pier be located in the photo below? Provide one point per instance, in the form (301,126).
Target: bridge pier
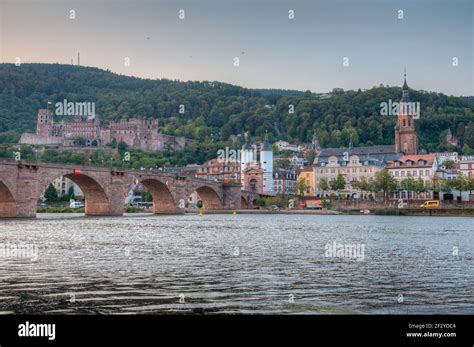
(26,191)
(116,192)
(232,196)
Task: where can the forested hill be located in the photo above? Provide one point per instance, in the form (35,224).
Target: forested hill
(215,110)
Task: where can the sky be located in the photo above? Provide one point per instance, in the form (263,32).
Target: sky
(274,51)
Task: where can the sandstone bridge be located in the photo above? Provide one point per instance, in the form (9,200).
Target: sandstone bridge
(105,189)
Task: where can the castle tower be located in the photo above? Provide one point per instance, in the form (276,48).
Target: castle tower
(406,140)
(266,163)
(44,124)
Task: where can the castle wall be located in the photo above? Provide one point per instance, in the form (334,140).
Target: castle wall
(33,139)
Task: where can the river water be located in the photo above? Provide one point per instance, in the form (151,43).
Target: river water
(241,263)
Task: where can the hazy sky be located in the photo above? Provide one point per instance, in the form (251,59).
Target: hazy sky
(306,52)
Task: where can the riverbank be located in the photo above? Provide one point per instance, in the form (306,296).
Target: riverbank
(466,212)
(452,212)
(256,211)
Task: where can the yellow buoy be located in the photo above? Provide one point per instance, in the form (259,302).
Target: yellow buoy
(200,213)
(234,212)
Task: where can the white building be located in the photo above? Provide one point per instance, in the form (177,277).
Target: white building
(353,170)
(285,146)
(416,166)
(256,167)
(266,163)
(442,157)
(466,165)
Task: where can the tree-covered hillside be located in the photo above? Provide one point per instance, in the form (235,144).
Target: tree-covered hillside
(213,111)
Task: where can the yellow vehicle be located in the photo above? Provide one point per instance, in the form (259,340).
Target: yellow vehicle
(430,204)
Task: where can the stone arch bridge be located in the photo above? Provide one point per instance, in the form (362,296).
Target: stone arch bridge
(22,182)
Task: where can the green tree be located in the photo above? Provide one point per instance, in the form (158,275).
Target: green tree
(261,201)
(50,194)
(9,137)
(408,185)
(446,186)
(146,196)
(283,163)
(339,183)
(323,184)
(113,143)
(70,193)
(80,141)
(466,150)
(301,186)
(448,164)
(384,183)
(122,146)
(364,185)
(309,156)
(461,183)
(419,186)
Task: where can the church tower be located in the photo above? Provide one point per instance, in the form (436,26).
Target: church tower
(406,140)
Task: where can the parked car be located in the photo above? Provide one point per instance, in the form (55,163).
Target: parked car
(430,204)
(273,208)
(76,204)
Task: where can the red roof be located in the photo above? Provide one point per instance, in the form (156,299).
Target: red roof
(428,158)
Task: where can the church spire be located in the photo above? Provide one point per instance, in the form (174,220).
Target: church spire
(405,96)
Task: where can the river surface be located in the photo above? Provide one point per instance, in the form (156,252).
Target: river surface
(267,264)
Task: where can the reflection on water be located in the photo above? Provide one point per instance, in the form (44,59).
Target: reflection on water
(237,264)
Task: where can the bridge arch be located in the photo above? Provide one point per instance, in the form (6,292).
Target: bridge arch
(163,201)
(7,202)
(254,203)
(95,198)
(210,198)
